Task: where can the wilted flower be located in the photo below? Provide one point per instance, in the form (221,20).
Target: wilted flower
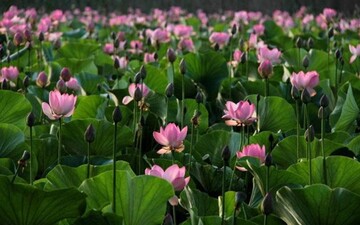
(60,105)
(355,51)
(306,81)
(239,114)
(173,174)
(253,150)
(171,138)
(132,87)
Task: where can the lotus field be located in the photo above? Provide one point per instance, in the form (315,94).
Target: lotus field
(184,118)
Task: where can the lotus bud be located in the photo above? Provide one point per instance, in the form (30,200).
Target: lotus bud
(26,81)
(148,41)
(116,63)
(338,53)
(57,44)
(113,35)
(89,134)
(199,97)
(137,78)
(18,39)
(195,119)
(206,158)
(295,93)
(268,159)
(169,90)
(171,55)
(42,80)
(265,69)
(324,101)
(27,34)
(240,197)
(65,74)
(321,113)
(310,43)
(342,62)
(267,206)
(61,86)
(116,43)
(182,66)
(241,43)
(143,72)
(30,120)
(156,56)
(4,84)
(331,32)
(298,42)
(24,158)
(117,115)
(243,58)
(216,47)
(168,220)
(306,62)
(233,29)
(41,37)
(226,154)
(137,94)
(310,134)
(305,97)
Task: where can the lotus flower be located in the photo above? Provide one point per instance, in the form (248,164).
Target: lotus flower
(306,81)
(240,114)
(186,44)
(173,174)
(109,48)
(132,87)
(355,51)
(60,105)
(184,31)
(73,84)
(266,54)
(220,38)
(171,138)
(9,73)
(253,150)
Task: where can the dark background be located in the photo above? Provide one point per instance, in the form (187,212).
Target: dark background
(347,7)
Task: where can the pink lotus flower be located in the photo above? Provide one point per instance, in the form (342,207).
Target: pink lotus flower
(220,38)
(173,174)
(73,84)
(149,57)
(306,81)
(355,51)
(60,105)
(171,138)
(259,29)
(183,31)
(266,54)
(9,73)
(329,13)
(109,48)
(186,44)
(253,150)
(236,58)
(240,114)
(160,36)
(265,69)
(132,87)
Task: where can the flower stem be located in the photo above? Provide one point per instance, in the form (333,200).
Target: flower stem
(60,139)
(174,214)
(336,76)
(323,147)
(114,169)
(88,160)
(31,155)
(182,100)
(267,179)
(297,129)
(242,135)
(223,194)
(191,145)
(309,159)
(266,87)
(16,173)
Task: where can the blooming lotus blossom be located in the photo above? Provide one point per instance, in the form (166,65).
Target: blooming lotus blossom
(220,38)
(259,29)
(183,31)
(160,36)
(329,13)
(186,44)
(73,84)
(266,54)
(173,174)
(171,138)
(265,69)
(132,87)
(253,150)
(236,58)
(109,48)
(60,105)
(149,57)
(9,73)
(306,81)
(239,114)
(355,51)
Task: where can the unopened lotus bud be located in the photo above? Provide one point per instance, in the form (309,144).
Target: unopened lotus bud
(61,86)
(42,80)
(57,44)
(324,101)
(113,35)
(321,113)
(41,37)
(240,197)
(169,90)
(116,43)
(335,44)
(18,39)
(195,120)
(182,66)
(4,84)
(171,55)
(310,43)
(298,42)
(156,56)
(338,53)
(268,159)
(310,134)
(117,115)
(199,97)
(306,62)
(168,220)
(26,81)
(241,43)
(137,94)
(121,36)
(25,156)
(243,58)
(216,47)
(116,63)
(233,29)
(265,69)
(331,32)
(89,134)
(226,154)
(305,96)
(65,74)
(30,120)
(295,94)
(148,41)
(143,72)
(342,62)
(137,78)
(27,34)
(267,206)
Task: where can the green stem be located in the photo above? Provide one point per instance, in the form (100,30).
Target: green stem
(267,179)
(265,219)
(241,144)
(309,159)
(60,139)
(266,87)
(139,145)
(174,214)
(31,156)
(243,209)
(297,129)
(323,146)
(223,194)
(234,217)
(88,160)
(16,173)
(336,76)
(114,170)
(299,60)
(191,145)
(182,100)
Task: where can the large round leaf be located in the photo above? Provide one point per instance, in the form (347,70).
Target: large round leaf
(92,106)
(14,108)
(26,205)
(11,138)
(73,137)
(317,205)
(140,200)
